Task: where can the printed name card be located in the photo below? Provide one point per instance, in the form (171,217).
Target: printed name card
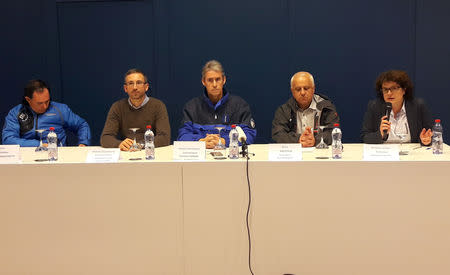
(189,150)
(10,154)
(285,152)
(381,152)
(103,155)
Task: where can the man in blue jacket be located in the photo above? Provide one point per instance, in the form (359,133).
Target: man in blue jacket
(36,112)
(215,108)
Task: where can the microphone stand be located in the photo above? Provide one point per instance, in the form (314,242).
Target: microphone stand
(244,151)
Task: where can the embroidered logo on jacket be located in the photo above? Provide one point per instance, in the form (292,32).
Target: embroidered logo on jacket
(26,120)
(23,117)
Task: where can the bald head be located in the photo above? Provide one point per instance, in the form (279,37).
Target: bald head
(303,75)
(302,88)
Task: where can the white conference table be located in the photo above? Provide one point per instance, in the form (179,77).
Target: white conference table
(344,216)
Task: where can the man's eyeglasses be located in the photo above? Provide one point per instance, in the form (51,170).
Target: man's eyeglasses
(392,89)
(137,83)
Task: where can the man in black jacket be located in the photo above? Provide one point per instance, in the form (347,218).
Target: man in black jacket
(297,119)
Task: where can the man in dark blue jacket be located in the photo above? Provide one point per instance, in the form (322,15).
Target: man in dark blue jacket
(215,108)
(36,112)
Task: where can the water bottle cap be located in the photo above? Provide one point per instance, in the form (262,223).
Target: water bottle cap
(233,126)
(437,121)
(336,125)
(52,128)
(149,126)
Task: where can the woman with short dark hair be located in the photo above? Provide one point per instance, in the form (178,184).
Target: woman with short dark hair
(409,115)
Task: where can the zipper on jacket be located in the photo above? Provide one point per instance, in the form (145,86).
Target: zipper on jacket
(36,126)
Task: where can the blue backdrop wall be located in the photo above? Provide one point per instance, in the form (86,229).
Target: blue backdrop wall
(83,48)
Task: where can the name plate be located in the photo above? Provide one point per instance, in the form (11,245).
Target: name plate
(189,150)
(10,154)
(381,152)
(285,152)
(103,155)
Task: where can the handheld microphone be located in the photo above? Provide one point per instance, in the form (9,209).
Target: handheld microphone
(388,114)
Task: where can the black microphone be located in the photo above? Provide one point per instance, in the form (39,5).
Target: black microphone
(244,148)
(388,114)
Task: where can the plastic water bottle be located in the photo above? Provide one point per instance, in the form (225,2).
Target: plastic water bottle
(233,148)
(149,139)
(437,139)
(52,140)
(336,144)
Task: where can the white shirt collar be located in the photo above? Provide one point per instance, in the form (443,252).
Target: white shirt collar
(146,99)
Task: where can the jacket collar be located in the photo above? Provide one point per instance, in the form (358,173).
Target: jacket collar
(30,110)
(221,102)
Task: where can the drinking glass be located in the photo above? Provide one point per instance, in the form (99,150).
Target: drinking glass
(134,147)
(219,145)
(41,146)
(322,147)
(401,134)
(220,148)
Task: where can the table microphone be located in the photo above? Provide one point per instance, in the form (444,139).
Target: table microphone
(388,114)
(243,141)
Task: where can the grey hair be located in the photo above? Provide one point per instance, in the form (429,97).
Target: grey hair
(303,73)
(212,65)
